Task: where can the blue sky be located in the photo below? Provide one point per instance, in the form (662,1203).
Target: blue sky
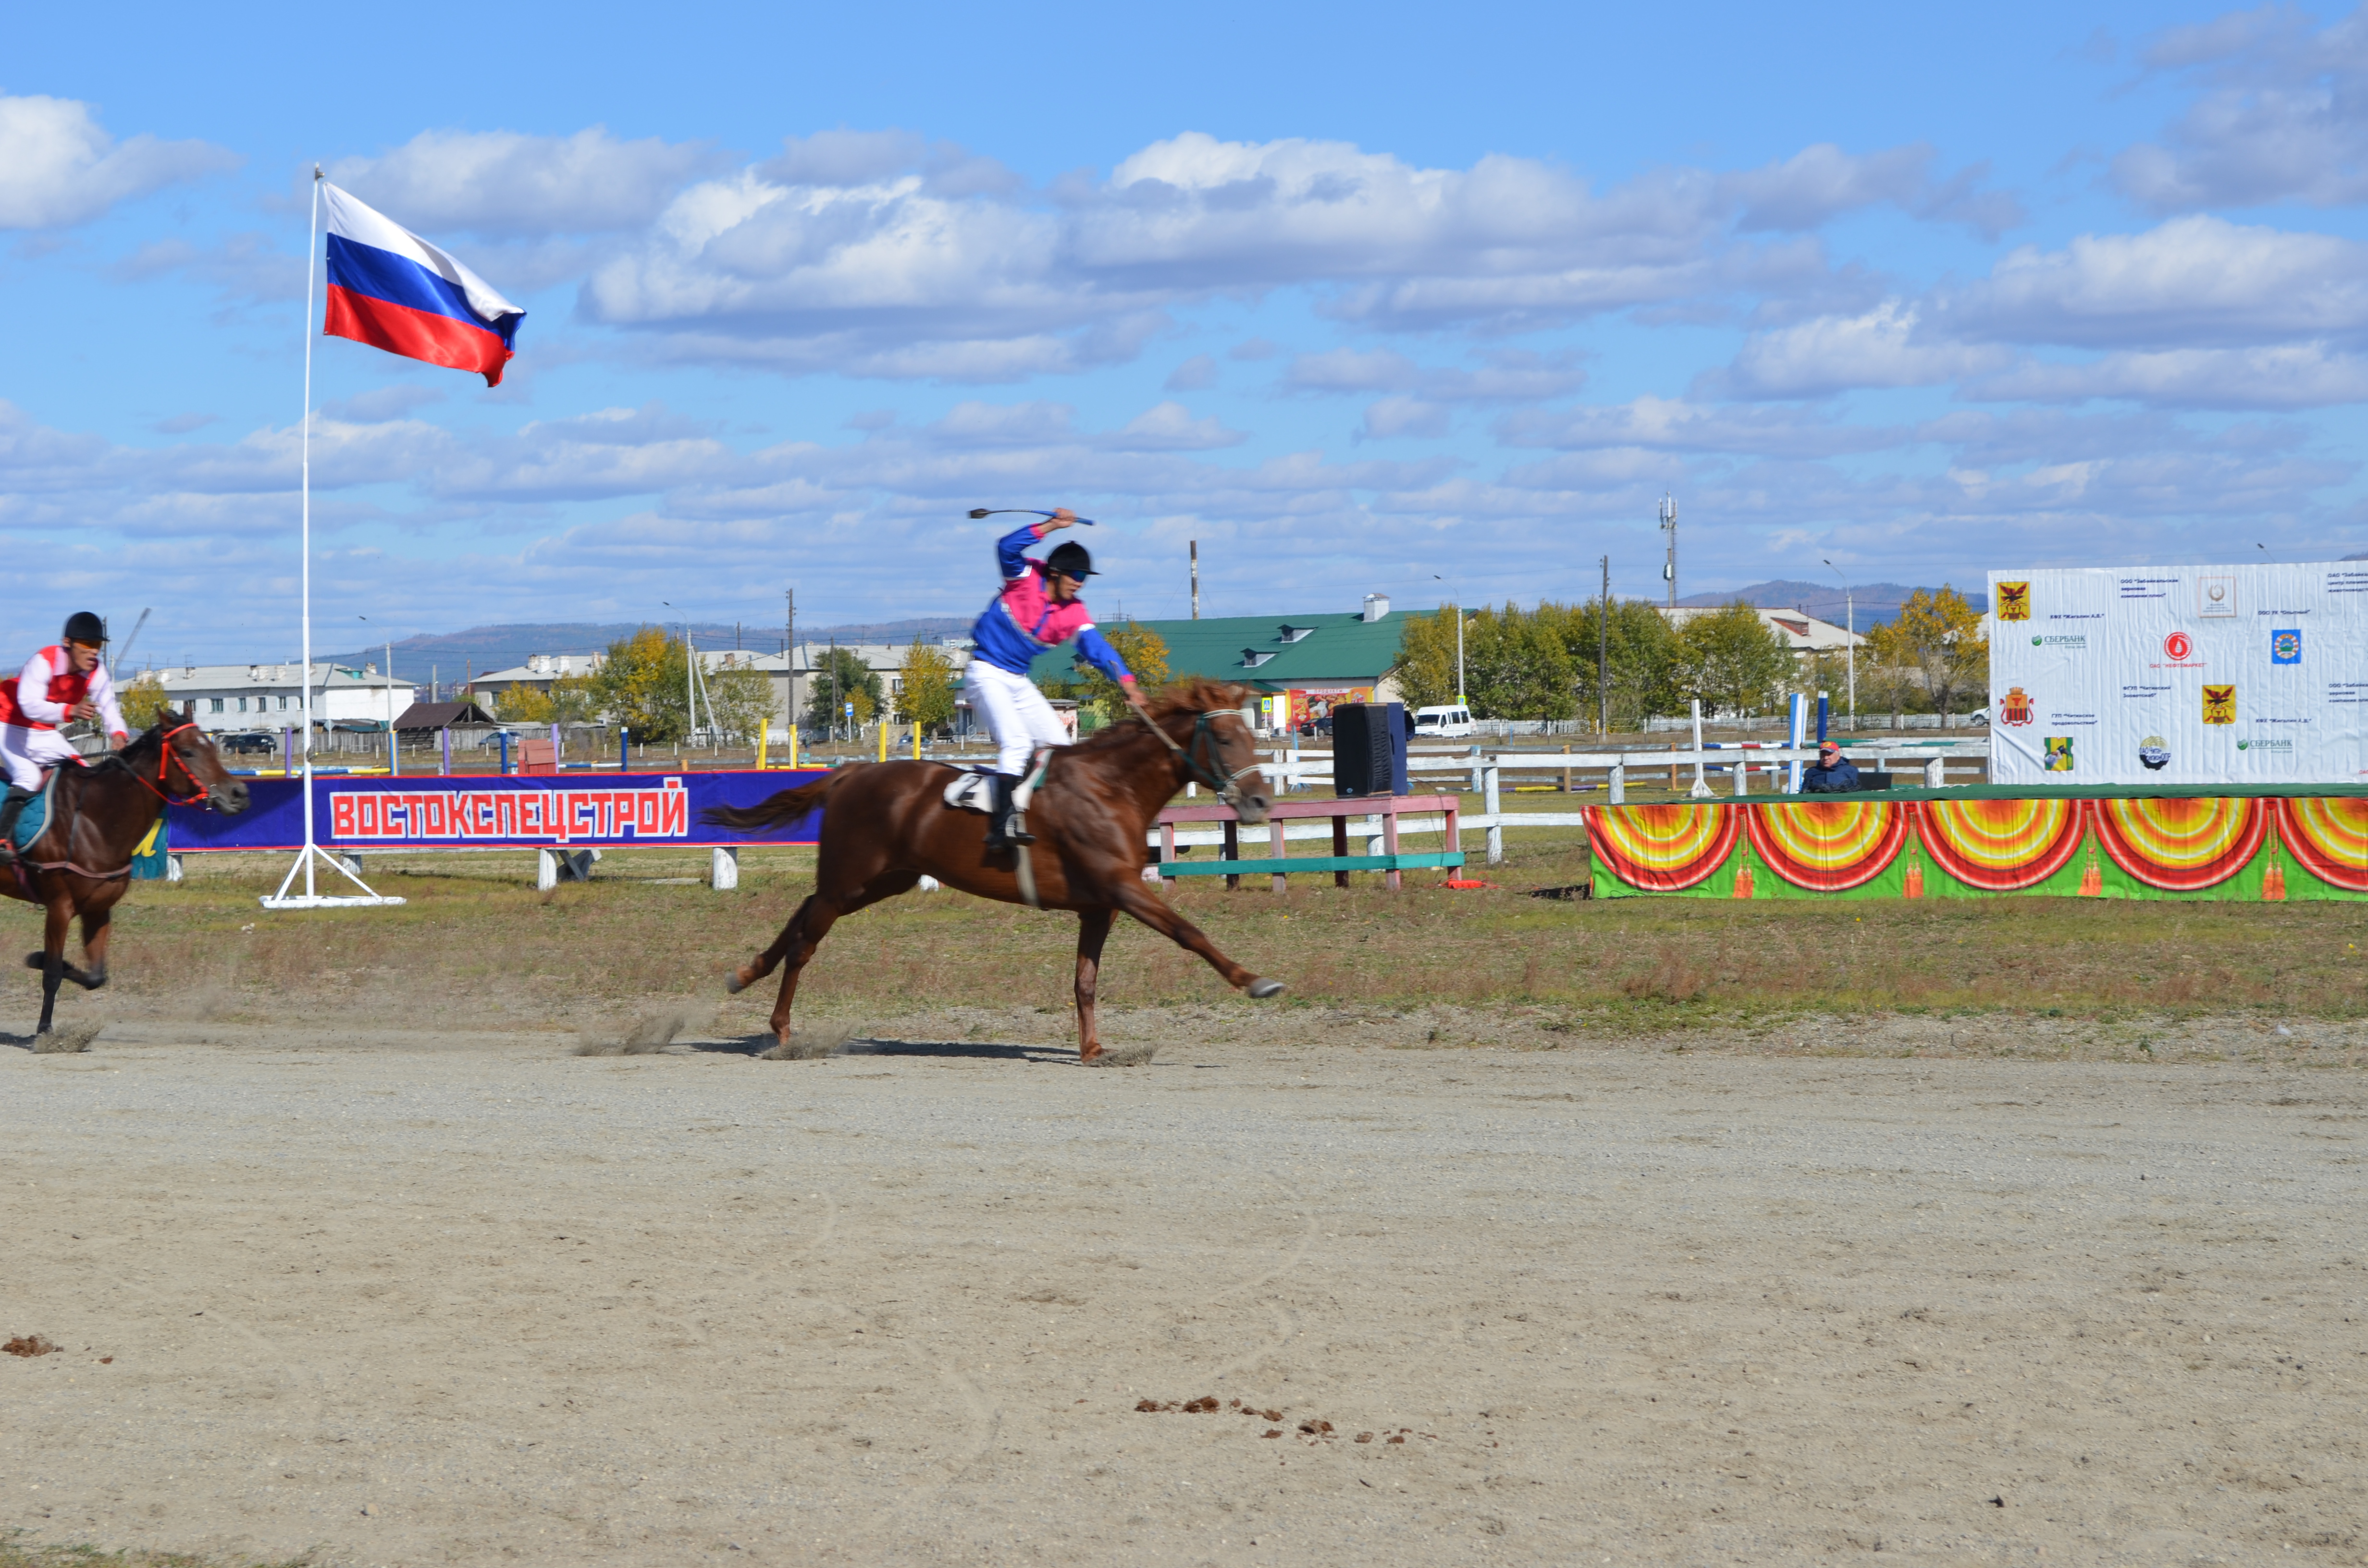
(1359,297)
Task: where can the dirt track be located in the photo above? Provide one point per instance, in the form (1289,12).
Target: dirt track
(470,1299)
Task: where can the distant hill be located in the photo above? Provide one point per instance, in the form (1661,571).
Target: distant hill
(455,655)
(1876,602)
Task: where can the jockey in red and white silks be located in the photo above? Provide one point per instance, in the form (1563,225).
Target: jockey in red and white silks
(59,683)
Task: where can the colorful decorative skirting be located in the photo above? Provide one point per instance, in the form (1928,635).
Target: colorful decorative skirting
(2272,847)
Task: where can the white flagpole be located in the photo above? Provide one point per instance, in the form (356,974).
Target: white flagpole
(311,899)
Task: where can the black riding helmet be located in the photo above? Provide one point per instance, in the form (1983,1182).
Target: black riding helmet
(1071,560)
(86,627)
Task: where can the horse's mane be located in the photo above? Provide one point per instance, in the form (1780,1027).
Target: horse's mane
(146,743)
(1195,694)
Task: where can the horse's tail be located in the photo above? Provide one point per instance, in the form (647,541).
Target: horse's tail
(786,807)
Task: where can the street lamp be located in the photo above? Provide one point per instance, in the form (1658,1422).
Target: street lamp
(394,758)
(1849,649)
(1461,700)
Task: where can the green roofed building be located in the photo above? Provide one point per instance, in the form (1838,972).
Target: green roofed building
(1306,662)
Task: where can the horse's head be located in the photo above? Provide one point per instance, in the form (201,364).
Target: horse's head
(1202,719)
(187,764)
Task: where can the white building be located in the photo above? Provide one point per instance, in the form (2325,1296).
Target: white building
(233,697)
(1802,633)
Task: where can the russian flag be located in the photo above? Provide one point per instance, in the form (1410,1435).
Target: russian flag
(394,290)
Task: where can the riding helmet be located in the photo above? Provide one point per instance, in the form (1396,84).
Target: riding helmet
(83,627)
(1071,560)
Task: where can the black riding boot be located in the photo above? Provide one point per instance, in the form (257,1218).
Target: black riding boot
(1002,832)
(10,810)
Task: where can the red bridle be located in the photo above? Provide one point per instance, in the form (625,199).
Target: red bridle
(165,770)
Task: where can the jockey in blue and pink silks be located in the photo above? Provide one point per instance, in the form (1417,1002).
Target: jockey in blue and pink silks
(1037,609)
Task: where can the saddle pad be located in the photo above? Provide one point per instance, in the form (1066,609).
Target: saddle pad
(971,792)
(36,814)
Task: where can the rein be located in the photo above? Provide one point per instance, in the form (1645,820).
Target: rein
(1202,770)
(166,757)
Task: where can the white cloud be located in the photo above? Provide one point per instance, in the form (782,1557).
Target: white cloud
(1822,182)
(60,167)
(1404,416)
(1170,428)
(2192,281)
(1882,347)
(1675,424)
(2279,115)
(1197,374)
(504,183)
(1351,370)
(2309,375)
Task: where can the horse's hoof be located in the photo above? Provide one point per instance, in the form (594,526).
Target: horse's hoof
(1262,989)
(735,982)
(37,961)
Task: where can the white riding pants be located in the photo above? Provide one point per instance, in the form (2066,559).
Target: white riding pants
(1015,714)
(25,752)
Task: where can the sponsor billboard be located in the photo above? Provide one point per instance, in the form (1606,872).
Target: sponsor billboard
(564,810)
(2180,675)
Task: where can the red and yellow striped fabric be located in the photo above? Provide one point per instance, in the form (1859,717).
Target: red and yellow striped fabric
(2000,846)
(2329,837)
(1663,848)
(2180,844)
(1828,845)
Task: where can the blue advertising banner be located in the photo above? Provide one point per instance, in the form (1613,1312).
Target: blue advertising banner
(575,810)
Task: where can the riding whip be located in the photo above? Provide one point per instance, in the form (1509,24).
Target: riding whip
(992,511)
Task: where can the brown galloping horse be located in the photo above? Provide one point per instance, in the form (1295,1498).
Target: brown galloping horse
(81,863)
(885,825)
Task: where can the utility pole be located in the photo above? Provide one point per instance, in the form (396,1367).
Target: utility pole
(1669,527)
(1196,579)
(1603,654)
(1849,649)
(790,661)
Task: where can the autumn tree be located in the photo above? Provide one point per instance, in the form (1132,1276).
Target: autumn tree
(1733,660)
(842,678)
(1145,652)
(570,699)
(1639,652)
(927,694)
(144,701)
(1937,638)
(736,699)
(643,685)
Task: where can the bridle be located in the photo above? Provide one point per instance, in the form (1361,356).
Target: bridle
(165,770)
(1202,764)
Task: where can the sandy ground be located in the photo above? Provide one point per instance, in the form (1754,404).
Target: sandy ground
(411,1298)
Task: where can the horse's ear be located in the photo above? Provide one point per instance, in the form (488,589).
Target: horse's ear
(190,708)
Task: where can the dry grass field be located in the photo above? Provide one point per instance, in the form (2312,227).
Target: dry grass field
(2037,975)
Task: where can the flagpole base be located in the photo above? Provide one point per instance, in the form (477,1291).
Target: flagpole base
(369,898)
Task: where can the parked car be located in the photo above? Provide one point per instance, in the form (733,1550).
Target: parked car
(1445,720)
(253,741)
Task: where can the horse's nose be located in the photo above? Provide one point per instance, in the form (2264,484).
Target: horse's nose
(1258,802)
(231,797)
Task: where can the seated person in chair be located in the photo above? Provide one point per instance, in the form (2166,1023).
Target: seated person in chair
(1831,774)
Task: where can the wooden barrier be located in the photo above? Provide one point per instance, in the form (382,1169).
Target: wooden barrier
(1390,862)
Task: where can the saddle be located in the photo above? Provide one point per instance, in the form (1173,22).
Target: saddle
(973,788)
(36,814)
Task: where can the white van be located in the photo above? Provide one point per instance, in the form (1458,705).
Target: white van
(1445,721)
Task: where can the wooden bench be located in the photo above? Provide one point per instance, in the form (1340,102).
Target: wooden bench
(1340,862)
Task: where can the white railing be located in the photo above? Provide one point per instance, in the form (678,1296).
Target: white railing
(1292,770)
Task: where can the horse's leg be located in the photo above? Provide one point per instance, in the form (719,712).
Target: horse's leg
(1148,907)
(54,959)
(96,925)
(809,926)
(1093,929)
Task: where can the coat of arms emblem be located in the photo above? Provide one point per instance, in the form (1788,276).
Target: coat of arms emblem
(2014,708)
(2219,704)
(2014,601)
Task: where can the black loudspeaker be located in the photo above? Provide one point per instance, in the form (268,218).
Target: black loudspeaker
(1369,749)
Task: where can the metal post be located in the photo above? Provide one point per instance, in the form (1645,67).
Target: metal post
(1616,785)
(393,751)
(1492,800)
(1700,791)
(1196,579)
(446,732)
(1603,654)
